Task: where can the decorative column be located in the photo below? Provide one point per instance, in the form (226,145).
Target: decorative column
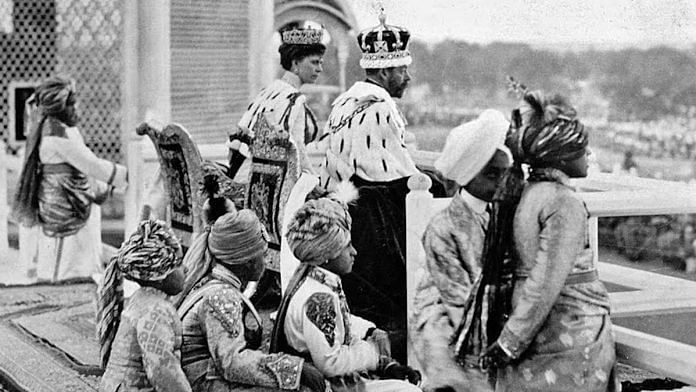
(261,65)
(146,86)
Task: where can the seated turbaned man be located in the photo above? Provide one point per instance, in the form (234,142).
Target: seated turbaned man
(222,329)
(314,320)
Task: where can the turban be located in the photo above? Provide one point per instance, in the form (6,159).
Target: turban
(237,237)
(319,230)
(150,254)
(52,95)
(545,131)
(51,98)
(471,145)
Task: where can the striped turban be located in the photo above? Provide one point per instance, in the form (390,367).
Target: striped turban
(237,237)
(545,131)
(52,95)
(150,254)
(319,230)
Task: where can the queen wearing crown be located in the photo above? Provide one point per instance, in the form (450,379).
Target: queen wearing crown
(301,56)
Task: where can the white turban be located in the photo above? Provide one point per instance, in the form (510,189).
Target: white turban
(471,145)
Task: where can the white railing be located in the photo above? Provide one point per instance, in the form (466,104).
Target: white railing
(616,195)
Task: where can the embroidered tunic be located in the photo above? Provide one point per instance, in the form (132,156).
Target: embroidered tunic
(146,350)
(283,104)
(559,331)
(67,243)
(453,244)
(318,324)
(365,136)
(222,337)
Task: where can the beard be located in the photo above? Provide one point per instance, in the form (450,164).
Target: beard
(396,88)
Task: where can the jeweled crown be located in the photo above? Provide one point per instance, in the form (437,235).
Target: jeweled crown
(303,36)
(384,46)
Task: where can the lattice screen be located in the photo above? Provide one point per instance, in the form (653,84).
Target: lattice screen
(81,38)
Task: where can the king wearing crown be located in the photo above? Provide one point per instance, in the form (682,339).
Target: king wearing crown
(365,142)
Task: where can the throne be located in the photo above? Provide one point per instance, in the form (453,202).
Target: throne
(274,171)
(182,170)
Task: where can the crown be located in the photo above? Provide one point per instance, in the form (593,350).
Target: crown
(384,46)
(303,36)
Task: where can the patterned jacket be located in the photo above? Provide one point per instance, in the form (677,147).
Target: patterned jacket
(559,331)
(145,355)
(222,337)
(365,135)
(552,242)
(453,244)
(318,324)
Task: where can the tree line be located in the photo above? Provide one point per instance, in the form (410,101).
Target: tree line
(630,84)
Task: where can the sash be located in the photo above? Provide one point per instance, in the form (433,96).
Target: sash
(64,200)
(352,382)
(279,342)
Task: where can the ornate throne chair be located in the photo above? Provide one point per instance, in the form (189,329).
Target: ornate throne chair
(181,167)
(183,170)
(274,172)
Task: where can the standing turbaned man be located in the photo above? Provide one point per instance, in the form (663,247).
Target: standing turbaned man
(364,143)
(476,158)
(55,191)
(301,56)
(558,333)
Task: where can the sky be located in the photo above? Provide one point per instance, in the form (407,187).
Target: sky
(612,23)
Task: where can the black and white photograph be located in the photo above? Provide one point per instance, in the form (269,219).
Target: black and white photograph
(347,195)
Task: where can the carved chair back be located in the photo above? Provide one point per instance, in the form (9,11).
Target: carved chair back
(274,171)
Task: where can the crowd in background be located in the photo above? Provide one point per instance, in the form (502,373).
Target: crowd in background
(670,137)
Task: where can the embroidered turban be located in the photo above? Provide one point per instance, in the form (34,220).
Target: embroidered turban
(471,145)
(52,95)
(319,230)
(151,253)
(237,237)
(544,130)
